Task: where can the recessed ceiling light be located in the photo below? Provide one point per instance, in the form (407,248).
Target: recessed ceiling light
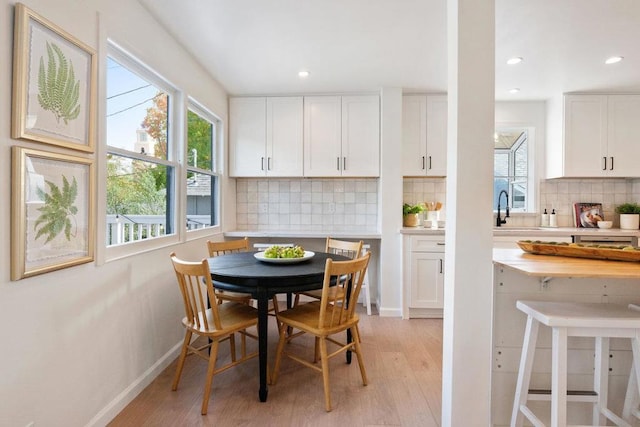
(303,74)
(514,90)
(613,59)
(514,60)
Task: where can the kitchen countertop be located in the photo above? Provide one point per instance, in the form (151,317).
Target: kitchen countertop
(306,234)
(542,232)
(561,266)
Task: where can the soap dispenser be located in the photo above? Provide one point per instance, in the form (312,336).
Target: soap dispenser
(544,219)
(553,220)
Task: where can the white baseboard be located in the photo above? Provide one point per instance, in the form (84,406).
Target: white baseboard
(114,407)
(390,312)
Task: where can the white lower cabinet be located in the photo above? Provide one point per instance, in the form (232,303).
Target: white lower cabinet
(423,276)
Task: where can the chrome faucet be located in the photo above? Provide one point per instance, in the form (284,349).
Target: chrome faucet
(500,221)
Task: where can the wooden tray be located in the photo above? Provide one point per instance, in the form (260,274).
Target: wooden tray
(544,248)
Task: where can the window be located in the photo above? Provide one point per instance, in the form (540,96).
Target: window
(511,169)
(202,171)
(141,170)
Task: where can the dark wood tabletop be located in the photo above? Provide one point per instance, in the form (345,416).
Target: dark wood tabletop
(242,272)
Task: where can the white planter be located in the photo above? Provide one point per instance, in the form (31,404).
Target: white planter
(629,221)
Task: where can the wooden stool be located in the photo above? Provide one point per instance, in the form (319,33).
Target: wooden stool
(602,321)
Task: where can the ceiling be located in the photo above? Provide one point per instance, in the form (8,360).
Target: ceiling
(257,46)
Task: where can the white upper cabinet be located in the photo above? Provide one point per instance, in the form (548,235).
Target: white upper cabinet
(585,135)
(600,137)
(265,137)
(342,136)
(322,135)
(361,135)
(624,135)
(424,135)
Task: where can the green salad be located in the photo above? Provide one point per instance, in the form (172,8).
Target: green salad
(284,252)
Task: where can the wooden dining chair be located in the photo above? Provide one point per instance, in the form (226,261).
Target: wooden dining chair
(218,323)
(325,318)
(228,247)
(339,247)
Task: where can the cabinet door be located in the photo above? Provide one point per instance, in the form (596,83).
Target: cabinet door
(322,136)
(247,138)
(585,135)
(361,135)
(623,130)
(414,135)
(427,280)
(436,161)
(284,136)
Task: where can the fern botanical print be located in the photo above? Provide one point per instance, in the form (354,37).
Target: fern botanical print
(58,89)
(58,210)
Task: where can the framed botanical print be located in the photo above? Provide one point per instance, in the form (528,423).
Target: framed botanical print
(52,211)
(54,84)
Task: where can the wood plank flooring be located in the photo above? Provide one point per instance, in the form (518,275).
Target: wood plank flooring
(403,359)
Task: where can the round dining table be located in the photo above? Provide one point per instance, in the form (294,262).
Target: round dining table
(243,272)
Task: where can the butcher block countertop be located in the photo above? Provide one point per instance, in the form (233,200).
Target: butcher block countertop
(560,266)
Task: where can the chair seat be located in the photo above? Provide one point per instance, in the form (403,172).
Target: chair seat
(233,296)
(306,318)
(334,293)
(233,316)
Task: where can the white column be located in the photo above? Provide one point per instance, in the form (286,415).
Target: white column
(390,202)
(468,271)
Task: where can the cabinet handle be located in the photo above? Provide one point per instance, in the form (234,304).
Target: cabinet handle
(338,163)
(604,168)
(268,163)
(441,262)
(344,163)
(611,164)
(261,163)
(440,244)
(423,163)
(429,162)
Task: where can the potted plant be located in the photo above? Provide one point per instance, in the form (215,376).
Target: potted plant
(629,216)
(410,214)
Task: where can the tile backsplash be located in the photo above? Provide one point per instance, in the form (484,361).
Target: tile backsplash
(317,204)
(561,194)
(558,194)
(307,204)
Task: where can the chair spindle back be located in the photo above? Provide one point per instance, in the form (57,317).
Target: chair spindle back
(227,247)
(340,247)
(337,308)
(195,285)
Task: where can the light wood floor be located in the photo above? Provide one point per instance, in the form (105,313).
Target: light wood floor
(403,359)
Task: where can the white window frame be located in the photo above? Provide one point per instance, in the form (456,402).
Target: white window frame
(216,166)
(532,172)
(175,144)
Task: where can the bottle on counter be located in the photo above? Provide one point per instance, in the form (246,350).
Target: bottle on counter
(544,219)
(553,220)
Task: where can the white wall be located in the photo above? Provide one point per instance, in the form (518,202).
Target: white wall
(79,342)
(390,200)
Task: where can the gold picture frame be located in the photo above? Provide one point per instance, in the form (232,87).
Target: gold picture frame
(54,84)
(52,211)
